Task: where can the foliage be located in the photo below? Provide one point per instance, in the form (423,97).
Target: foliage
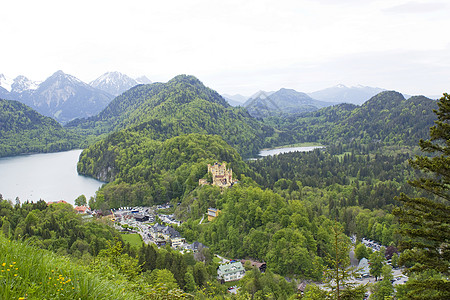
(361,251)
(181,106)
(376,263)
(339,273)
(23,130)
(426,221)
(144,172)
(386,118)
(384,289)
(33,273)
(268,285)
(55,227)
(81,200)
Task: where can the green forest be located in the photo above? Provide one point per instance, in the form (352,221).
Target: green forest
(23,130)
(383,175)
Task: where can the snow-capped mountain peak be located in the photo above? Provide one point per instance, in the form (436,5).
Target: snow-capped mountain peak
(21,84)
(115,83)
(6,82)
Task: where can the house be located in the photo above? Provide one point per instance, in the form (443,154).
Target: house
(81,209)
(178,242)
(260,265)
(213,213)
(231,271)
(167,234)
(141,217)
(56,202)
(195,246)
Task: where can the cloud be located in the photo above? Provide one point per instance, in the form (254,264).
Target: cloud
(413,7)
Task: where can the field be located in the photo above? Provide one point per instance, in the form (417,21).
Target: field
(134,239)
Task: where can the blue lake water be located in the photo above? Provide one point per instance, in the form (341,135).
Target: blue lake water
(49,176)
(275,151)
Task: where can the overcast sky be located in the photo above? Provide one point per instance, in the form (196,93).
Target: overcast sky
(234,46)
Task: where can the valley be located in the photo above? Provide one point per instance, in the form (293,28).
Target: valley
(295,212)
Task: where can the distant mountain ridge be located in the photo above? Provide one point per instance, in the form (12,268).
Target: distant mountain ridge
(235,100)
(343,94)
(115,83)
(65,97)
(283,101)
(61,96)
(386,118)
(181,106)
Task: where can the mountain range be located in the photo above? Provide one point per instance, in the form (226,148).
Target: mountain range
(65,97)
(183,105)
(115,83)
(282,102)
(343,94)
(336,94)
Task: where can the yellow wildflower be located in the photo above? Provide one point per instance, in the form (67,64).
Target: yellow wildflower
(3,264)
(15,274)
(7,270)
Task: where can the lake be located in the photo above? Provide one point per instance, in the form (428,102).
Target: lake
(47,176)
(275,151)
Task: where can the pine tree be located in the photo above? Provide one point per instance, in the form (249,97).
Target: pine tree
(425,221)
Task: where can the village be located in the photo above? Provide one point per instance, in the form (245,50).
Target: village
(156,225)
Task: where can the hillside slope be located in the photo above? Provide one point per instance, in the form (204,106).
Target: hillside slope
(181,106)
(23,130)
(142,171)
(388,118)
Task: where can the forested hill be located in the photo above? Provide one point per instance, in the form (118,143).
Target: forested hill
(142,171)
(388,118)
(23,130)
(181,106)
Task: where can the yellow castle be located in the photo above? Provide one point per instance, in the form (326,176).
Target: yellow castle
(221,176)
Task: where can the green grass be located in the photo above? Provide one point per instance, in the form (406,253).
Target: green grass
(27,272)
(134,239)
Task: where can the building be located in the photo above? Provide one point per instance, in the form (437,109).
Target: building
(231,271)
(221,176)
(81,209)
(260,265)
(195,246)
(166,234)
(141,217)
(213,213)
(178,242)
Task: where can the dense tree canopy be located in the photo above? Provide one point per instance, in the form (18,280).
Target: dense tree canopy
(426,220)
(23,130)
